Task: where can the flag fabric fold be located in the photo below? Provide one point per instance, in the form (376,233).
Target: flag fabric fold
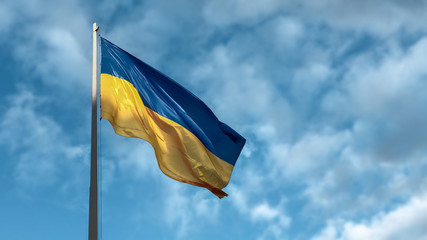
(190,143)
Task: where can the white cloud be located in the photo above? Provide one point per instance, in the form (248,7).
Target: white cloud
(385,100)
(329,233)
(287,31)
(309,78)
(63,46)
(405,222)
(53,44)
(249,95)
(373,85)
(277,221)
(57,57)
(365,112)
(311,155)
(185,212)
(382,17)
(274,219)
(263,212)
(224,13)
(6,18)
(41,150)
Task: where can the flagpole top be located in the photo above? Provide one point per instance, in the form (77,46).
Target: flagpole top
(95,27)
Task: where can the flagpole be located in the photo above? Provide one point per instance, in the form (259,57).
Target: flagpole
(93,189)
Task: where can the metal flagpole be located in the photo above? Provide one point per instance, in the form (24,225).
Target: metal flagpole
(93,189)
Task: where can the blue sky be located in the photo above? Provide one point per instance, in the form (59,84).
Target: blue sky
(330,96)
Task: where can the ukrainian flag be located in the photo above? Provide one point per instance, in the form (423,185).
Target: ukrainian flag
(190,143)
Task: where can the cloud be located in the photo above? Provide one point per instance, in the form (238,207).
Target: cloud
(385,101)
(334,123)
(373,150)
(264,212)
(314,153)
(243,86)
(406,221)
(365,154)
(6,18)
(57,58)
(273,219)
(186,213)
(41,153)
(50,48)
(225,13)
(276,221)
(383,18)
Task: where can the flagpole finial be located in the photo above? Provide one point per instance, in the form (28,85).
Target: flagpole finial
(95,27)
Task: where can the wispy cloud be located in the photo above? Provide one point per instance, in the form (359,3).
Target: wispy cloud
(406,221)
(41,152)
(186,214)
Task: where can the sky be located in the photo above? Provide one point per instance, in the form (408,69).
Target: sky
(330,95)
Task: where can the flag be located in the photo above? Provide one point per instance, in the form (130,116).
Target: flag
(190,143)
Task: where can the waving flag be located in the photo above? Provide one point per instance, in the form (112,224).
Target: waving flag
(190,143)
